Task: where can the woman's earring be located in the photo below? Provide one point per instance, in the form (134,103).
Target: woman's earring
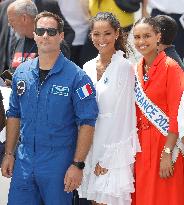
(158,43)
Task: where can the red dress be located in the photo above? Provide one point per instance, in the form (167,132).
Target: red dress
(164,89)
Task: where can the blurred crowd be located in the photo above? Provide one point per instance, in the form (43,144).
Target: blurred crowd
(16,28)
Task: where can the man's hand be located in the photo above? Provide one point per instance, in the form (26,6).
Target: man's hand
(166,166)
(7,166)
(73,178)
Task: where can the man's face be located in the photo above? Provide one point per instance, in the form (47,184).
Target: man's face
(16,21)
(48,43)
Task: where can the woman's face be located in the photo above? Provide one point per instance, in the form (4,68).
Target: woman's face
(104,36)
(145,39)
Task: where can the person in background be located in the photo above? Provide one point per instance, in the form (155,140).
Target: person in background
(2,125)
(168,29)
(108,177)
(79,21)
(174,10)
(5,37)
(21,15)
(8,39)
(159,167)
(54,142)
(126,19)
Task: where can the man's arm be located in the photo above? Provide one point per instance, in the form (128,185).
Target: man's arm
(84,142)
(12,136)
(74,175)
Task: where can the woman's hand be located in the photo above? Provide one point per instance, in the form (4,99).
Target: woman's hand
(166,166)
(100,170)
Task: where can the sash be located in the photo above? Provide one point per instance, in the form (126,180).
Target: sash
(151,111)
(155,115)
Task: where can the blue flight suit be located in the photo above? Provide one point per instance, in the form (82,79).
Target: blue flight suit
(50,114)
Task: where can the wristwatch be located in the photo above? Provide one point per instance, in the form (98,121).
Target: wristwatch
(167,150)
(79,165)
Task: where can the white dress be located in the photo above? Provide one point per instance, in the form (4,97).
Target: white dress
(115,140)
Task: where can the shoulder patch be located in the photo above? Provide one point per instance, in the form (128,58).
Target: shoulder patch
(84,91)
(21,87)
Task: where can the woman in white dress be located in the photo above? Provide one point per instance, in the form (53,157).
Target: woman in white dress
(108,177)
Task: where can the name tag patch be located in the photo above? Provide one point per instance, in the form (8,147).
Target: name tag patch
(84,91)
(60,90)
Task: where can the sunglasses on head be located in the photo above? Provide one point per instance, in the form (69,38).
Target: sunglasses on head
(50,31)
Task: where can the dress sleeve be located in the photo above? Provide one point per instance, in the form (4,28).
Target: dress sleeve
(122,143)
(174,93)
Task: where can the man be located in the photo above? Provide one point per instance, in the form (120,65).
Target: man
(21,15)
(2,125)
(4,36)
(168,29)
(7,47)
(172,9)
(53,107)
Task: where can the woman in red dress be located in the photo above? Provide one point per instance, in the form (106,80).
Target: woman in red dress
(159,167)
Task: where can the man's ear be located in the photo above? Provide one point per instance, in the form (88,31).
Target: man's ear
(62,36)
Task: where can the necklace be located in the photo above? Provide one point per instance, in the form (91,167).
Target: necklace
(145,76)
(100,68)
(146,68)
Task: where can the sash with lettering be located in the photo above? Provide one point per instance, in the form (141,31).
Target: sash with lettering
(154,114)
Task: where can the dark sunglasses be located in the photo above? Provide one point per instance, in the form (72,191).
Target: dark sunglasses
(50,31)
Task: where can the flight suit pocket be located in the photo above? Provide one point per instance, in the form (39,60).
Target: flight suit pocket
(57,105)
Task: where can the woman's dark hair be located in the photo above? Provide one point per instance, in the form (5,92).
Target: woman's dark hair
(150,21)
(168,28)
(121,42)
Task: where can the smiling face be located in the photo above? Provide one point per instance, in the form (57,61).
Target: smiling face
(104,36)
(46,43)
(145,39)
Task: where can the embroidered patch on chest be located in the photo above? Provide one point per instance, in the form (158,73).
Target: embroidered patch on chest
(84,91)
(21,87)
(60,90)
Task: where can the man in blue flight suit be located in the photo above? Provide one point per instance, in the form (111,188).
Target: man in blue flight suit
(53,109)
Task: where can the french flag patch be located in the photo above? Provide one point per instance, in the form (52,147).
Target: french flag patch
(84,91)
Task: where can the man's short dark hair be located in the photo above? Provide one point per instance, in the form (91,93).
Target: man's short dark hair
(168,28)
(51,15)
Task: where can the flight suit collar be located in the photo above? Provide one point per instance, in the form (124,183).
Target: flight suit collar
(58,66)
